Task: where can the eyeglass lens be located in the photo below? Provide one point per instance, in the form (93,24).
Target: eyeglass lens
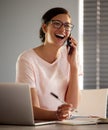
(58,24)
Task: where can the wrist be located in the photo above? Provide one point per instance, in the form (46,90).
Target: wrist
(56,115)
(73,69)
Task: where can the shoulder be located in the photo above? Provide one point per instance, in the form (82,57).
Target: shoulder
(26,55)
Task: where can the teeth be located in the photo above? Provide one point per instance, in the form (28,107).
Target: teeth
(60,35)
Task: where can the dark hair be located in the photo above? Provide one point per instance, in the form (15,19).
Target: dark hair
(48,16)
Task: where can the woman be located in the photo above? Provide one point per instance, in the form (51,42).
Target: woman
(50,68)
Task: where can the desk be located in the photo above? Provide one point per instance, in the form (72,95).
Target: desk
(56,127)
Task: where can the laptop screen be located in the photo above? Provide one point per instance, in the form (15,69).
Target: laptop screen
(15,104)
(93,102)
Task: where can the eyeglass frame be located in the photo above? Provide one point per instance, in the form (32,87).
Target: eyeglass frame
(66,23)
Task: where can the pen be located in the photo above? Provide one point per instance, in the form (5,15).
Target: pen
(54,95)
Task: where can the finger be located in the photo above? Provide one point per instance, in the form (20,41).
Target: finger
(62,116)
(65,109)
(73,42)
(67,104)
(64,113)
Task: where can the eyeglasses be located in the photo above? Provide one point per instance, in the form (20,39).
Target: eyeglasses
(58,24)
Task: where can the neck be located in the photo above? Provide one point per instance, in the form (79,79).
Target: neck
(50,52)
(47,52)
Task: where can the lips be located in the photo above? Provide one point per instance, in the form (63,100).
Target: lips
(60,36)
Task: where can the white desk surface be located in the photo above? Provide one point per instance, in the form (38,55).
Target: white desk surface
(56,127)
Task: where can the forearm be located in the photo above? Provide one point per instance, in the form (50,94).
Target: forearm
(72,94)
(40,113)
(43,114)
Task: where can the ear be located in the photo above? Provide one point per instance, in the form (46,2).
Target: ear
(44,28)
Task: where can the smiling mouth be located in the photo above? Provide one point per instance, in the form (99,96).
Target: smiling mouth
(60,36)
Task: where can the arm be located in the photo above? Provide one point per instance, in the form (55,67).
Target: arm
(73,93)
(63,112)
(39,113)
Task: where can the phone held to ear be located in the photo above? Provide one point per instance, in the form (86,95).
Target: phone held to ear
(69,46)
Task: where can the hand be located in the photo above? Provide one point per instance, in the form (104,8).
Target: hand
(64,111)
(72,58)
(72,44)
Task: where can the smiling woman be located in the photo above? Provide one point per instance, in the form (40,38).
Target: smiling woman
(48,68)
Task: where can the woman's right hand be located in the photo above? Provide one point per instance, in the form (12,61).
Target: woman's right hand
(64,111)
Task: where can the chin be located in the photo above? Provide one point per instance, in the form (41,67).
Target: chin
(60,44)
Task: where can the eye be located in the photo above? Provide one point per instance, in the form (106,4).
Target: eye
(57,23)
(68,26)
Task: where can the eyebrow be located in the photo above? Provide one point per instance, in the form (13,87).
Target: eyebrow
(61,21)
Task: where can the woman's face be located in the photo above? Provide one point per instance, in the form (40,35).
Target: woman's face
(58,30)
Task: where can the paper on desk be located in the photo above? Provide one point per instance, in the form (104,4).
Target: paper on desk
(83,120)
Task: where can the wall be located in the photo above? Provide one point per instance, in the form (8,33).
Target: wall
(19,26)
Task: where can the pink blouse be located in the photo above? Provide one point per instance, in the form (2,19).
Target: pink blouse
(44,76)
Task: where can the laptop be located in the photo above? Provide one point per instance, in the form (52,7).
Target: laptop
(93,102)
(16,105)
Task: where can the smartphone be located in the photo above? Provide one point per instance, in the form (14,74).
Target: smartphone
(69,45)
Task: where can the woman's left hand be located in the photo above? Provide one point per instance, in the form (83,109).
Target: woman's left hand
(72,57)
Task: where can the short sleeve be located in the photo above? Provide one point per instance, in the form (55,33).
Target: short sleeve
(24,71)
